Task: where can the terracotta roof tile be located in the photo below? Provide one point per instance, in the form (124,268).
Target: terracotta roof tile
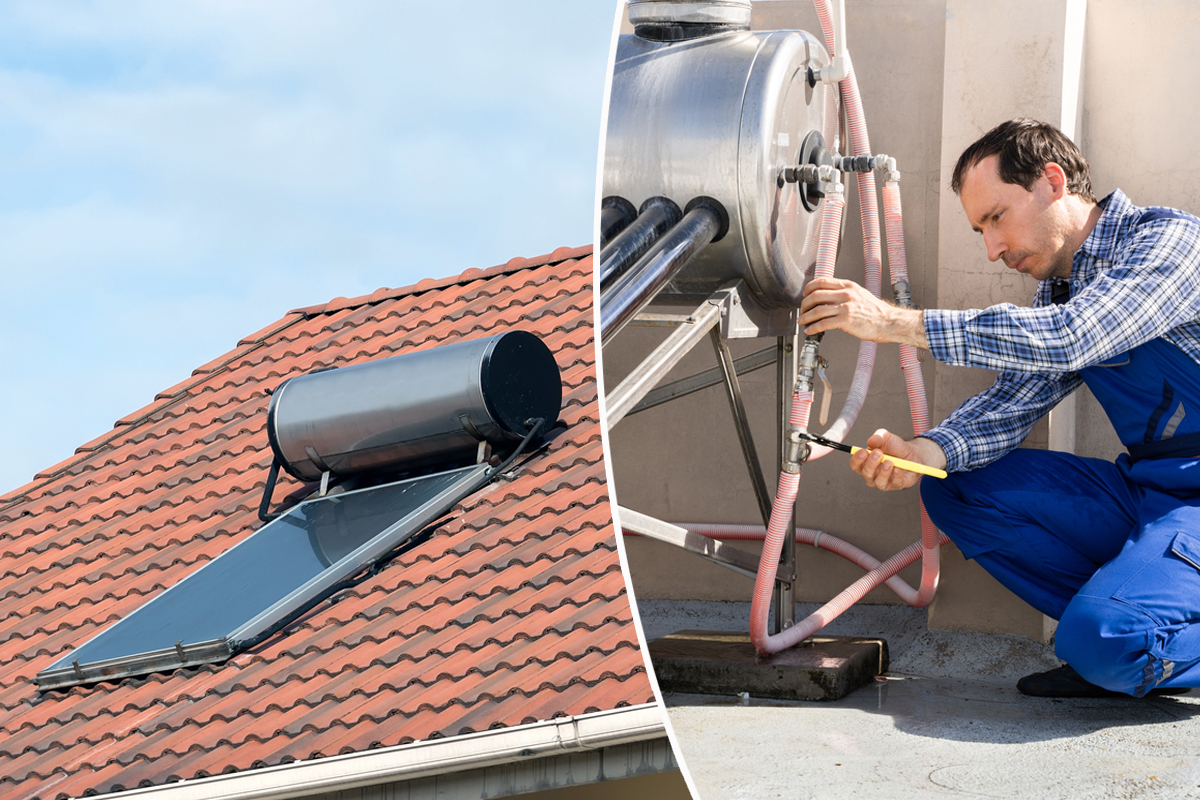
(512,611)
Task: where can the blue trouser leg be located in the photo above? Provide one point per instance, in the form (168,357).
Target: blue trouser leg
(1081,542)
(1040,522)
(1133,626)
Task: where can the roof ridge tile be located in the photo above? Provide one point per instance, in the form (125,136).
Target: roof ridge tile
(263,334)
(561,255)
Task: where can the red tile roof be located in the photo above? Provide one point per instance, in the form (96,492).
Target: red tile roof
(514,611)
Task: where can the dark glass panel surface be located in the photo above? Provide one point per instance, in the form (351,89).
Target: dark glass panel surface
(276,561)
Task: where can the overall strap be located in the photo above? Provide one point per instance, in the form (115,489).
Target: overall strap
(1151,214)
(1147,392)
(1172,446)
(1183,446)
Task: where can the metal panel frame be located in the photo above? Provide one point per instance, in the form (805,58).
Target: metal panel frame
(702,380)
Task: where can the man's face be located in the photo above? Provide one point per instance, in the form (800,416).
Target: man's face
(1027,229)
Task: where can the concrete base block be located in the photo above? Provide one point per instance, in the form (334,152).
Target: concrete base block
(724,662)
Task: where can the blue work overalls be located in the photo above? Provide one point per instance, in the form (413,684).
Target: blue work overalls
(1111,550)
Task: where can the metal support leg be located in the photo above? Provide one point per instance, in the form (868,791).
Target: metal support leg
(740,561)
(784,596)
(733,391)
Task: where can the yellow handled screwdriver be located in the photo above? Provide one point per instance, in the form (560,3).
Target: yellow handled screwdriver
(911,466)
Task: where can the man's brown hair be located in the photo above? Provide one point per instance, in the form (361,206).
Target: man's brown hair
(1024,147)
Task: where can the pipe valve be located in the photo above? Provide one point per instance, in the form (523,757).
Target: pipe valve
(796,452)
(826,391)
(808,364)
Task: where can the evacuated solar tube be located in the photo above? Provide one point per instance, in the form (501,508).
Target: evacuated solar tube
(658,216)
(431,407)
(615,215)
(637,287)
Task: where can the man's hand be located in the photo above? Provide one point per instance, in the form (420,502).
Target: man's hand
(887,477)
(833,303)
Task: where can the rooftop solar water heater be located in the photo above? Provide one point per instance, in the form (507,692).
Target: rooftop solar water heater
(428,410)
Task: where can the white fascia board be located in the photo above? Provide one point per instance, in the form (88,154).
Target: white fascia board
(419,759)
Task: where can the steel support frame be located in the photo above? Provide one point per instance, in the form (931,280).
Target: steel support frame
(713,317)
(702,380)
(733,392)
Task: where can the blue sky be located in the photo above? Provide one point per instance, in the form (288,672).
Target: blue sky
(176,175)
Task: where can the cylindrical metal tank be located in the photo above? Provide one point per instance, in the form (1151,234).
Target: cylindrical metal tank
(417,409)
(721,116)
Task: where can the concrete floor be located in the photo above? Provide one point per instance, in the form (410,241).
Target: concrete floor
(946,721)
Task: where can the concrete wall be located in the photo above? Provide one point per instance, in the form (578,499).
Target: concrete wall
(1003,60)
(1134,124)
(934,75)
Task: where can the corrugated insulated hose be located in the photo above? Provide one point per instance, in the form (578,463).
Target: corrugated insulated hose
(928,549)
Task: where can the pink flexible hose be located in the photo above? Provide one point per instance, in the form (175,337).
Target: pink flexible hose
(768,565)
(928,549)
(777,527)
(872,251)
(810,536)
(833,116)
(915,384)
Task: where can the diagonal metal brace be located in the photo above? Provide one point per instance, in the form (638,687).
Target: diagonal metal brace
(656,365)
(702,380)
(733,392)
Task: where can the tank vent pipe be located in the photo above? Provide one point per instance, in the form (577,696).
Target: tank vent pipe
(682,20)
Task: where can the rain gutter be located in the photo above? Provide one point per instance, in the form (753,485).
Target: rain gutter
(563,735)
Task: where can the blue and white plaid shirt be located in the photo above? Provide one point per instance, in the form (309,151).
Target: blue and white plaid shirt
(1130,283)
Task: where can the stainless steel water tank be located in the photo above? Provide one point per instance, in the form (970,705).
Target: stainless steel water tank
(416,409)
(721,116)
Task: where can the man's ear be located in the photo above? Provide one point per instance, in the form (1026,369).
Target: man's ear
(1058,179)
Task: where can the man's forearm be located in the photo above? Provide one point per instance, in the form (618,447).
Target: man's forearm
(908,327)
(928,452)
(831,303)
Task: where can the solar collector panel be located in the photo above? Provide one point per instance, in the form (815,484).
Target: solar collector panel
(260,582)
